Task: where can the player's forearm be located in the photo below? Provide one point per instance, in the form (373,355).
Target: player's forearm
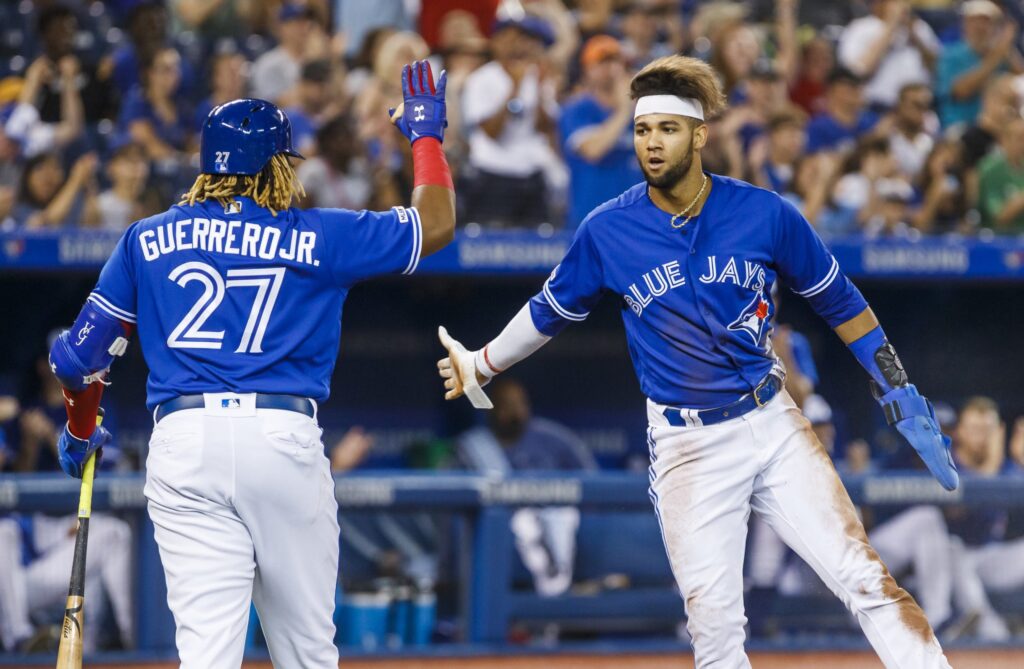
(969,84)
(72,113)
(873,55)
(436,206)
(519,340)
(433,195)
(867,341)
(194,12)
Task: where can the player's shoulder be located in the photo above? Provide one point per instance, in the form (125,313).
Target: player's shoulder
(738,193)
(607,212)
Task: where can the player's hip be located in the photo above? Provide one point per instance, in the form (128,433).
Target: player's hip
(194,450)
(739,446)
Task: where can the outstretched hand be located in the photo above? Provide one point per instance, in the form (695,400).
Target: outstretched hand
(459,373)
(912,414)
(422,112)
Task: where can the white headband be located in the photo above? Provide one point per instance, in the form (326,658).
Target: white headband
(669,104)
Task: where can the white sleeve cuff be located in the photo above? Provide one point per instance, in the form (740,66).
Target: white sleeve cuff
(107,307)
(519,340)
(417,239)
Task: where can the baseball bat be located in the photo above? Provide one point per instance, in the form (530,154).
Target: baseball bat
(69,653)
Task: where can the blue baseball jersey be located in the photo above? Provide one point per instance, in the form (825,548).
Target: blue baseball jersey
(696,301)
(234,299)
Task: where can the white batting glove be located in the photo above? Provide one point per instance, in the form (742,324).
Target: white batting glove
(460,374)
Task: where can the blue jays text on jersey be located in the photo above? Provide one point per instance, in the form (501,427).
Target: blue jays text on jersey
(235,299)
(696,302)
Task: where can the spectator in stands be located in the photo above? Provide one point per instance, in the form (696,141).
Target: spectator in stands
(229,80)
(276,73)
(1001,181)
(979,449)
(913,130)
(390,158)
(317,102)
(356,20)
(57,26)
(596,130)
(216,20)
(873,191)
(153,115)
(337,175)
(594,17)
(643,40)
(889,49)
(765,97)
(811,191)
(815,64)
(1000,106)
(125,201)
(10,163)
(988,47)
(774,158)
(844,119)
(26,125)
(465,49)
(515,441)
(46,199)
(147,32)
(509,110)
(1016,446)
(944,203)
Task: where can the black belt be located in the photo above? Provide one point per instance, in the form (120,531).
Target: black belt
(765,391)
(263,401)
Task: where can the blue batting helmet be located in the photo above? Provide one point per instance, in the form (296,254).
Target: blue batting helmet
(241,136)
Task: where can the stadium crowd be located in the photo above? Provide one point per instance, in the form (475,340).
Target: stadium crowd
(873,116)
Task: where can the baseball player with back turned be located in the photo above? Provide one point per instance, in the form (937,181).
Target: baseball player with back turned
(693,257)
(237,299)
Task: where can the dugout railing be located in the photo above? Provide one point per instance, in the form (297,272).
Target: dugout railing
(489,601)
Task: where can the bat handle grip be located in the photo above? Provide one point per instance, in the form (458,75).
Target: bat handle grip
(88,475)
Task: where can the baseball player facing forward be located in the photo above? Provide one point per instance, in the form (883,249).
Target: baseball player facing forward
(692,258)
(237,298)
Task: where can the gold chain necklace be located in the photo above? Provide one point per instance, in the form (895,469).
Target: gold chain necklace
(703,185)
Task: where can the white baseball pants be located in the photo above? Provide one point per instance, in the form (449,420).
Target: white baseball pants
(705,481)
(243,505)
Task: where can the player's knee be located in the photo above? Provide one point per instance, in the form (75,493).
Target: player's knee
(714,615)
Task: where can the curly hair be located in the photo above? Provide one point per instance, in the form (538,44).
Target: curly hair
(683,77)
(273,188)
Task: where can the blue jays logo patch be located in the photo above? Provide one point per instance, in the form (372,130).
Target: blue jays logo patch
(753,318)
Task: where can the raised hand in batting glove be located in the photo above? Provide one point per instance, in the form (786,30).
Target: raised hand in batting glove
(459,373)
(72,452)
(422,113)
(912,414)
